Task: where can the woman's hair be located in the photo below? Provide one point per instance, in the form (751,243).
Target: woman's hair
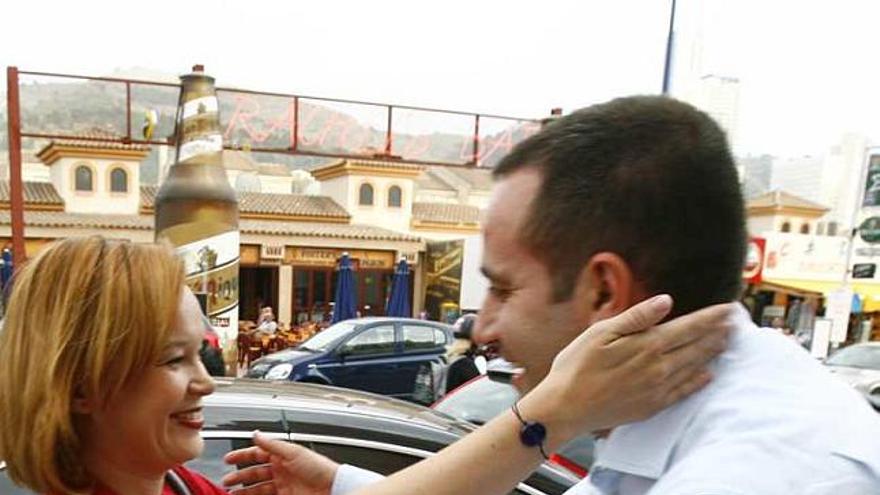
(85,317)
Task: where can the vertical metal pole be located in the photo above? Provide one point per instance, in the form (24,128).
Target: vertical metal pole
(854,229)
(476,139)
(667,66)
(388,132)
(16,197)
(128,109)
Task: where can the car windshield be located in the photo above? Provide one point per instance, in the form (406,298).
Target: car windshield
(860,356)
(478,401)
(325,339)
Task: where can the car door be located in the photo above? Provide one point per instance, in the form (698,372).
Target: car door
(421,344)
(365,361)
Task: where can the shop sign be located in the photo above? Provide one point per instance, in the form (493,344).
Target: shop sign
(872,183)
(864,270)
(871,252)
(838,305)
(805,257)
(412,258)
(272,252)
(754,265)
(328,257)
(869,230)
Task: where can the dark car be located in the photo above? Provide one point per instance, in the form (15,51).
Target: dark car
(356,428)
(380,355)
(483,398)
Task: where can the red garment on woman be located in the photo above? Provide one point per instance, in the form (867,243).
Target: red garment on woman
(198,485)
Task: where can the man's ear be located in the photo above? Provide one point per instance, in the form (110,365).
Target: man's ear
(607,284)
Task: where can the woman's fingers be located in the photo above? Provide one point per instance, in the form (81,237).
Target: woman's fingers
(249,475)
(636,319)
(265,488)
(708,324)
(249,455)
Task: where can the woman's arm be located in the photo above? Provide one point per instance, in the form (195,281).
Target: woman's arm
(613,373)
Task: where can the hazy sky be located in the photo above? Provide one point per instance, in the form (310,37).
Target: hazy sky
(809,69)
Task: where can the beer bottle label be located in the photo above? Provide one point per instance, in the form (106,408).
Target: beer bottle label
(211,266)
(200,123)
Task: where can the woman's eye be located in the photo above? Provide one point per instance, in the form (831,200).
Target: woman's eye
(173,361)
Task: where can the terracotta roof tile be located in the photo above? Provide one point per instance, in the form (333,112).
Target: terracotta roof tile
(310,229)
(81,220)
(270,227)
(35,193)
(782,199)
(271,204)
(96,133)
(368,162)
(290,204)
(446,213)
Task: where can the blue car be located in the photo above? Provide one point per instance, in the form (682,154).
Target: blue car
(380,355)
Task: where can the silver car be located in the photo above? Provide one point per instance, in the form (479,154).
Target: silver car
(859,365)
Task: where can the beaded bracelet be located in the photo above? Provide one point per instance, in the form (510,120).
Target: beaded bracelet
(532,433)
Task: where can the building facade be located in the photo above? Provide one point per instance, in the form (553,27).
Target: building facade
(290,243)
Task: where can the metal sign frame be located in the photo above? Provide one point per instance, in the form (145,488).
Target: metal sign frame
(16,133)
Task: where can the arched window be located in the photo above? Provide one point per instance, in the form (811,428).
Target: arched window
(366,195)
(83,179)
(805,228)
(786,227)
(394,197)
(118,180)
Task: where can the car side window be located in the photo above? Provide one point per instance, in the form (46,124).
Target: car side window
(210,464)
(420,337)
(375,340)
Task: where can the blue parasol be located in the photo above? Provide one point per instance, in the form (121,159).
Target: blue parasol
(345,298)
(6,268)
(398,301)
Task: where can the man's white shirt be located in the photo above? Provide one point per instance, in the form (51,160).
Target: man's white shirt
(773,421)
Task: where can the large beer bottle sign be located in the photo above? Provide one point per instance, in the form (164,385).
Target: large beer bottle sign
(197,210)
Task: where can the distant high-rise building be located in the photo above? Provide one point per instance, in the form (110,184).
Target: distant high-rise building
(696,76)
(802,176)
(719,97)
(831,178)
(757,172)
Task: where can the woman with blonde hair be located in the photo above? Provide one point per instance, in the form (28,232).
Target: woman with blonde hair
(100,377)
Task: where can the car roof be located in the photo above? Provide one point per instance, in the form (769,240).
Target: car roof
(244,392)
(862,344)
(395,319)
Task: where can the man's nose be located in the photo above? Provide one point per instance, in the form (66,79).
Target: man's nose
(484,331)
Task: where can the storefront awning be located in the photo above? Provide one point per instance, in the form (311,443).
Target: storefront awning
(868,292)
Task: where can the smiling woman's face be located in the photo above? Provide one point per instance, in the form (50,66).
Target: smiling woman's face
(154,423)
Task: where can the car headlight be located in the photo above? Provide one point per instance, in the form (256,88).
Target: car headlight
(279,372)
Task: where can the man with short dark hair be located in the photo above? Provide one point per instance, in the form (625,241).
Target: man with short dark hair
(616,203)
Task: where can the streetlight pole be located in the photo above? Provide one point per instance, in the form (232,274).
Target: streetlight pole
(667,66)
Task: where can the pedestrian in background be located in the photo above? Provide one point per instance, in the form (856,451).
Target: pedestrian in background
(462,355)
